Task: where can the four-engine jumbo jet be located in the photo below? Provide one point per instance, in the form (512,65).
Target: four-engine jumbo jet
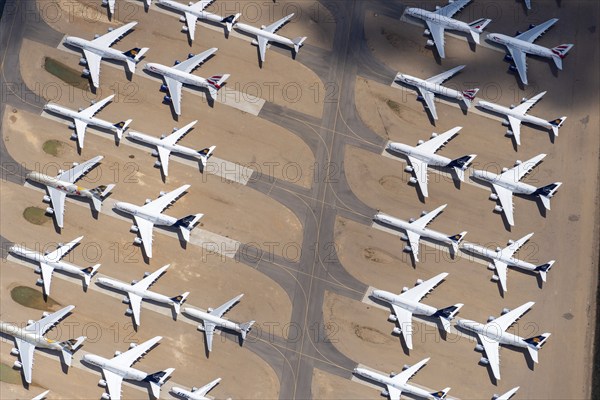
(441,19)
(396,384)
(64,184)
(503,258)
(424,154)
(138,291)
(150,214)
(120,367)
(518,114)
(99,48)
(195,11)
(267,34)
(508,182)
(522,44)
(213,318)
(408,303)
(51,261)
(417,228)
(493,333)
(85,117)
(165,145)
(111,5)
(32,336)
(196,393)
(428,88)
(180,73)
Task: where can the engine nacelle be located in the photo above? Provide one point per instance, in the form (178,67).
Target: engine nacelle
(491,267)
(132,345)
(129,312)
(430,42)
(385,393)
(411,220)
(162,193)
(408,168)
(154,153)
(190,55)
(424,213)
(39,282)
(511,106)
(157,164)
(504,169)
(419,98)
(30,322)
(438,7)
(209,309)
(177,62)
(134,281)
(407,249)
(184,28)
(125,300)
(531,26)
(434,135)
(421,141)
(498,249)
(45,314)
(512,68)
(524,99)
(479,348)
(96,35)
(46,199)
(491,318)
(110,29)
(404,289)
(17,365)
(426,32)
(403,237)
(396,331)
(495,278)
(82,61)
(509,133)
(418,282)
(163,88)
(392,318)
(71,126)
(105,396)
(505,122)
(85,72)
(518,162)
(505,310)
(167,99)
(38,270)
(14,351)
(254,42)
(102,383)
(405,367)
(148,201)
(484,361)
(412,180)
(137,241)
(498,209)
(493,196)
(146,274)
(182,19)
(134,229)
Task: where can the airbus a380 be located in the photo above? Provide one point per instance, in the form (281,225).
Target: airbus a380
(518,114)
(138,291)
(397,383)
(64,184)
(441,19)
(493,334)
(85,117)
(165,145)
(522,44)
(408,303)
(150,214)
(120,367)
(181,74)
(51,261)
(417,228)
(501,259)
(428,88)
(508,183)
(213,318)
(32,336)
(423,155)
(99,48)
(196,393)
(267,34)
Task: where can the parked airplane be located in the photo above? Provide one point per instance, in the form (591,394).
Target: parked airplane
(267,34)
(441,19)
(417,228)
(120,367)
(150,214)
(398,383)
(111,5)
(64,184)
(180,73)
(507,183)
(196,393)
(493,333)
(165,145)
(213,318)
(41,396)
(408,303)
(32,336)
(503,258)
(195,11)
(428,88)
(138,291)
(507,395)
(423,155)
(518,114)
(522,44)
(99,48)
(51,261)
(85,117)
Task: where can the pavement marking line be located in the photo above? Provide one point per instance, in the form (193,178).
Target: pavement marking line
(215,166)
(242,101)
(199,237)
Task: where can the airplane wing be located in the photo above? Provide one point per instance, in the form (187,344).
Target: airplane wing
(437,32)
(145,228)
(427,218)
(57,198)
(515,127)
(148,281)
(509,394)
(43,395)
(62,251)
(113,384)
(440,78)
(190,20)
(163,157)
(413,239)
(193,62)
(262,47)
(201,392)
(506,202)
(163,202)
(525,106)
(429,98)
(508,251)
(408,373)
(135,303)
(209,331)
(93,65)
(274,27)
(492,353)
(394,393)
(175,93)
(128,358)
(506,320)
(537,31)
(452,8)
(80,131)
(79,170)
(518,172)
(418,292)
(109,38)
(26,350)
(405,323)
(46,276)
(501,269)
(420,171)
(520,59)
(94,108)
(219,311)
(43,325)
(176,136)
(439,141)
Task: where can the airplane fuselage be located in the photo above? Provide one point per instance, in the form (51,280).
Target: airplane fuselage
(101,50)
(271,37)
(523,45)
(29,337)
(55,108)
(431,87)
(145,294)
(387,381)
(40,258)
(494,255)
(505,182)
(426,157)
(413,306)
(492,332)
(407,226)
(176,148)
(64,186)
(510,112)
(446,22)
(221,322)
(137,211)
(106,364)
(187,9)
(181,76)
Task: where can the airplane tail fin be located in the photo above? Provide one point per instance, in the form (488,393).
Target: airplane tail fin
(461,164)
(158,379)
(456,239)
(440,394)
(205,154)
(215,83)
(560,52)
(245,328)
(535,343)
(186,224)
(469,96)
(546,193)
(88,273)
(477,27)
(544,269)
(556,124)
(447,314)
(98,193)
(69,347)
(230,21)
(121,127)
(298,43)
(178,301)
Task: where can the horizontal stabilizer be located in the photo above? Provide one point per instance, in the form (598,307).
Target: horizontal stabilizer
(477,27)
(245,328)
(447,314)
(178,301)
(556,124)
(546,193)
(186,224)
(205,154)
(157,379)
(230,21)
(461,164)
(544,269)
(121,127)
(560,52)
(441,394)
(88,273)
(298,43)
(69,346)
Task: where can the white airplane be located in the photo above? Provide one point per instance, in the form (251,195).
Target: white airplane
(138,291)
(180,73)
(518,114)
(417,228)
(120,367)
(398,383)
(165,145)
(503,258)
(41,396)
(150,214)
(522,44)
(508,182)
(493,333)
(213,318)
(99,48)
(428,88)
(111,5)
(85,117)
(64,184)
(423,155)
(32,336)
(408,303)
(196,393)
(507,395)
(195,11)
(267,34)
(51,261)
(441,19)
